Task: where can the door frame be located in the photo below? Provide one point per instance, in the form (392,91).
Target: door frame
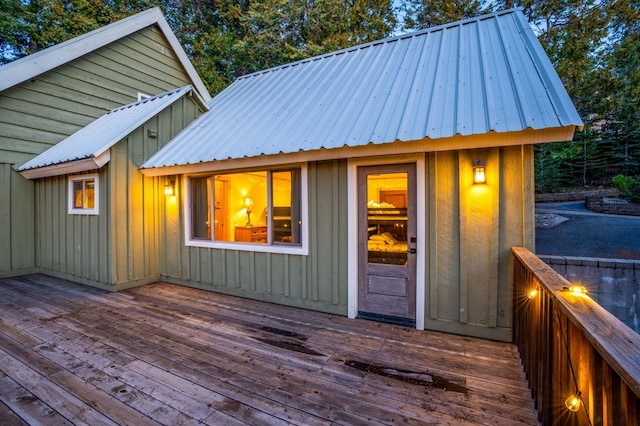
(352,227)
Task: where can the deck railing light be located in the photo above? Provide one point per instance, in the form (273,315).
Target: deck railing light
(573,402)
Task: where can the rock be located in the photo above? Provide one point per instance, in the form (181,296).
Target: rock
(549,220)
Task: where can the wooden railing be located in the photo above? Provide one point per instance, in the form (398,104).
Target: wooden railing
(570,345)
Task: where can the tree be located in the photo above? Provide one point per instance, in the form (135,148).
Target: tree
(13,30)
(623,63)
(281,31)
(420,14)
(32,25)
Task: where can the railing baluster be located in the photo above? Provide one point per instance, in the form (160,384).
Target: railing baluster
(569,344)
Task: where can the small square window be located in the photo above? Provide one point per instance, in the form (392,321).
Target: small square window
(83,194)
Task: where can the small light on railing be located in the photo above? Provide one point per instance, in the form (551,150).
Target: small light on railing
(576,290)
(573,402)
(533,293)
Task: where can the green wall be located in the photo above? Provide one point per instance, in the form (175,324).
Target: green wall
(317,281)
(16,223)
(42,111)
(118,248)
(470,230)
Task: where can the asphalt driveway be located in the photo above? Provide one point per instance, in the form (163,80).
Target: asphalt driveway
(588,234)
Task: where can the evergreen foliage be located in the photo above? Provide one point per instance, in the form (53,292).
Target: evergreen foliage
(593,44)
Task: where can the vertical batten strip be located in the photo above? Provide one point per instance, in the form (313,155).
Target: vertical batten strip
(433,230)
(464,179)
(494,174)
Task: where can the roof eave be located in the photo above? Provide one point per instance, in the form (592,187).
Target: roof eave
(458,142)
(69,167)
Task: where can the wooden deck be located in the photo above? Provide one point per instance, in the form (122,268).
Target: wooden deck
(165,354)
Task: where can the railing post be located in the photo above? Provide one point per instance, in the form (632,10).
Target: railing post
(569,345)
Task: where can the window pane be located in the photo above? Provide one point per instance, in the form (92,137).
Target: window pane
(89,194)
(286,207)
(221,208)
(387,218)
(78,194)
(200,208)
(240,201)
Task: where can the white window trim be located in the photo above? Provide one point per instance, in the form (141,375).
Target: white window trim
(96,195)
(301,249)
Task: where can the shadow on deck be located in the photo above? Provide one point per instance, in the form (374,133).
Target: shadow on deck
(165,354)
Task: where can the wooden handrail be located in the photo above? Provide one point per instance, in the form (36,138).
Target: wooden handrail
(569,344)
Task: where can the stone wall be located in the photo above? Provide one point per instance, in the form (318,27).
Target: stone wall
(575,195)
(600,205)
(613,283)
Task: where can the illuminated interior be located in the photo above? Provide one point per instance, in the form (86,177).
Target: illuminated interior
(242,204)
(387,196)
(84,194)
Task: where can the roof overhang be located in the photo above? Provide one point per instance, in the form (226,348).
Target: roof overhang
(458,142)
(69,167)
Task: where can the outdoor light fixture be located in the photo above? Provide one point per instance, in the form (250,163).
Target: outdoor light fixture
(576,290)
(478,171)
(533,293)
(170,188)
(248,204)
(573,402)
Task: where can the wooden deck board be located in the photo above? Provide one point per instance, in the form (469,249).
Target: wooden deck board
(165,354)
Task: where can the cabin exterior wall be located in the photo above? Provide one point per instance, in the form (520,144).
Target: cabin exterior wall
(118,248)
(316,281)
(470,231)
(42,111)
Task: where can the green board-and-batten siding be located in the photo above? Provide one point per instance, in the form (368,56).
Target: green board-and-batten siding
(16,223)
(39,113)
(317,281)
(470,230)
(117,248)
(44,110)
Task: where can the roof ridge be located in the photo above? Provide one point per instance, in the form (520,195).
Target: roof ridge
(384,41)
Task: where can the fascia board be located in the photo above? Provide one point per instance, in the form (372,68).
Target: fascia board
(88,164)
(458,142)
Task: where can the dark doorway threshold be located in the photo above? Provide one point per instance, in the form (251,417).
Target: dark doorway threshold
(387,318)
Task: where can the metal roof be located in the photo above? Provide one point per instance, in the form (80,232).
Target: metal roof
(488,74)
(97,137)
(23,69)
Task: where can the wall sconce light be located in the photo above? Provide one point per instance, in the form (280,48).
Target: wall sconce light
(478,172)
(170,188)
(248,204)
(573,402)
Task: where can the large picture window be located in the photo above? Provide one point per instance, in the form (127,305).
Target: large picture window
(83,194)
(262,208)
